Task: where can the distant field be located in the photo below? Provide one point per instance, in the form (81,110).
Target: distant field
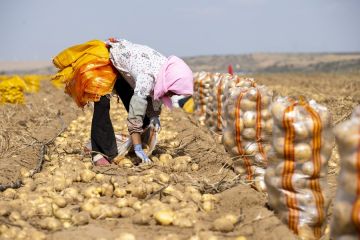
(277,62)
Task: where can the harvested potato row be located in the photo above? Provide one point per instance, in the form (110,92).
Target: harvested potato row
(346,214)
(248,131)
(296,177)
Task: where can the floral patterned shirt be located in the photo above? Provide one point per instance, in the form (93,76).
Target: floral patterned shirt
(139,65)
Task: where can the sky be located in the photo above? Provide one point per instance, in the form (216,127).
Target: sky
(39,29)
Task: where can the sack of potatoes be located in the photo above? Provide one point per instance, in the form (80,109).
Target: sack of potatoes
(202,86)
(248,131)
(232,83)
(346,214)
(223,85)
(296,177)
(213,104)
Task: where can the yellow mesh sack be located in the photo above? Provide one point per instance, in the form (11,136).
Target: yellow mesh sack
(73,57)
(12,90)
(32,83)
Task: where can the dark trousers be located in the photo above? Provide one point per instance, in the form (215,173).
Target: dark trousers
(102,131)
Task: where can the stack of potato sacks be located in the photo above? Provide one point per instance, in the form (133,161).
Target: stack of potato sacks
(12,90)
(296,177)
(247,130)
(346,214)
(203,83)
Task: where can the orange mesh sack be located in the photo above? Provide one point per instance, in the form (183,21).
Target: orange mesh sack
(296,177)
(91,81)
(247,134)
(346,214)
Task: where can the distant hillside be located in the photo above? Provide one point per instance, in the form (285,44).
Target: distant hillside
(277,62)
(259,62)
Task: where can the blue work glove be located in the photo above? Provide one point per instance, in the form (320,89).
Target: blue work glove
(155,123)
(141,154)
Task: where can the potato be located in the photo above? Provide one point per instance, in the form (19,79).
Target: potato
(90,204)
(194,167)
(91,192)
(15,216)
(50,223)
(137,205)
(249,133)
(60,201)
(303,152)
(138,191)
(9,193)
(126,163)
(107,189)
(265,114)
(223,224)
(141,219)
(306,232)
(119,192)
(250,148)
(165,158)
(63,214)
(164,217)
(81,218)
(268,128)
(228,138)
(127,212)
(5,209)
(247,105)
(163,177)
(249,119)
(125,236)
(277,111)
(87,175)
(183,222)
(301,131)
(260,184)
(208,206)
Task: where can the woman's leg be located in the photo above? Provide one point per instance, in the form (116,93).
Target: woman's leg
(102,132)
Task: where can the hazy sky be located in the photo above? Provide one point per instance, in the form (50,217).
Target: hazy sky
(39,29)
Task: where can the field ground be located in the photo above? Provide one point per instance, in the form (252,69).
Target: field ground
(25,128)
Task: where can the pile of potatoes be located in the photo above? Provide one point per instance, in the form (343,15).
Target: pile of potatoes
(68,192)
(346,219)
(296,177)
(248,131)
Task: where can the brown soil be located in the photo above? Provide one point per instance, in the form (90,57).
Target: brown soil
(25,127)
(38,118)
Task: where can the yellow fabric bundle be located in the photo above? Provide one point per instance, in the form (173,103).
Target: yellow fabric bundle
(189,105)
(12,90)
(86,71)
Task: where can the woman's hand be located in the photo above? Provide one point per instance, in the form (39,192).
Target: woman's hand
(141,154)
(155,123)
